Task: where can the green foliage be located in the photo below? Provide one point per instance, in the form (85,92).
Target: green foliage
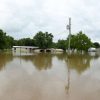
(54,45)
(73,41)
(24,42)
(2,39)
(79,41)
(62,44)
(82,42)
(9,42)
(96,45)
(6,42)
(43,40)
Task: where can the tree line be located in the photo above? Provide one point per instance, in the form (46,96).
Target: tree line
(44,40)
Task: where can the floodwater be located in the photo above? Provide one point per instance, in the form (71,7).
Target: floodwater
(46,76)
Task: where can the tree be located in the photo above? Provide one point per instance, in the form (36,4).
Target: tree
(24,42)
(96,44)
(43,40)
(2,39)
(73,40)
(54,45)
(82,42)
(9,42)
(62,44)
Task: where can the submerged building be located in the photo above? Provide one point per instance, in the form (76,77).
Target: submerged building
(24,48)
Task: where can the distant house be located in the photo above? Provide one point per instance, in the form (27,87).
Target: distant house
(24,48)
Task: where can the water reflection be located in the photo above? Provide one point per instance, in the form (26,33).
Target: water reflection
(5,58)
(79,62)
(67,87)
(66,73)
(41,61)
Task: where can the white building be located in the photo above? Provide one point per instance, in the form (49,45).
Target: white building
(24,48)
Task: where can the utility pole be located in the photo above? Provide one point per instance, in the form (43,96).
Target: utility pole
(69,28)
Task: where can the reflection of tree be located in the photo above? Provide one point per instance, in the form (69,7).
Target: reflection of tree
(61,56)
(5,58)
(79,62)
(41,60)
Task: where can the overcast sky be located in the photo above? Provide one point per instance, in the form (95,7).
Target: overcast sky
(24,18)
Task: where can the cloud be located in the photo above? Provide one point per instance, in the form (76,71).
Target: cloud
(26,17)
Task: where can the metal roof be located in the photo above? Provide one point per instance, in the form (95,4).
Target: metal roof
(25,47)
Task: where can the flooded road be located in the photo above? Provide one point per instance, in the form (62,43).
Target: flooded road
(46,76)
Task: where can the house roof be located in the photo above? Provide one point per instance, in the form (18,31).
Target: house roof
(32,47)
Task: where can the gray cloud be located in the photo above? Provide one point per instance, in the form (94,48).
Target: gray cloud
(23,18)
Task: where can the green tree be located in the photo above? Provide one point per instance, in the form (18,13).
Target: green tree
(43,40)
(96,45)
(54,45)
(9,42)
(15,43)
(82,42)
(2,39)
(62,44)
(24,42)
(73,40)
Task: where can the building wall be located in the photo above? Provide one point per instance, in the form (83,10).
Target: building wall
(22,49)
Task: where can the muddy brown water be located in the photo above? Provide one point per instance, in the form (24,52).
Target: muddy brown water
(46,76)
